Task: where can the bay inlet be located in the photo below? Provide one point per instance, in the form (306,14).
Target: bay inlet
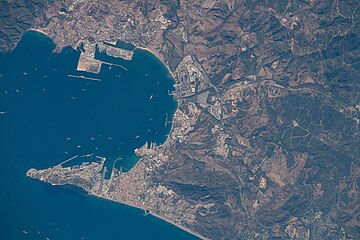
(52,112)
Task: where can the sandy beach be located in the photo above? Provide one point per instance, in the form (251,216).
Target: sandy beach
(153,214)
(38,30)
(159,56)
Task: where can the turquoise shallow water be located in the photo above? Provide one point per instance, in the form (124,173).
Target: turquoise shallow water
(47,117)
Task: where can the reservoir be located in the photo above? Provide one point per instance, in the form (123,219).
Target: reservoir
(47,116)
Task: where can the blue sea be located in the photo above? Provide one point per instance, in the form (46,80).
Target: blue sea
(47,117)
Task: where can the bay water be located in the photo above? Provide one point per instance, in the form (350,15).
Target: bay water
(47,117)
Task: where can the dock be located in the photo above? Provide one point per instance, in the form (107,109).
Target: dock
(113,170)
(114,51)
(87,61)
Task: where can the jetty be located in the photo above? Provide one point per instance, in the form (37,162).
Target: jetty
(68,160)
(86,78)
(114,64)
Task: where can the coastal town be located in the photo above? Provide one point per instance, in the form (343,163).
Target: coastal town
(134,188)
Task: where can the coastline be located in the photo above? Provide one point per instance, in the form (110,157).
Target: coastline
(150,213)
(179,226)
(38,30)
(30,29)
(177,100)
(158,55)
(166,142)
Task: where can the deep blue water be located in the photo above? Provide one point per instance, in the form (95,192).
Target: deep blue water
(50,117)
